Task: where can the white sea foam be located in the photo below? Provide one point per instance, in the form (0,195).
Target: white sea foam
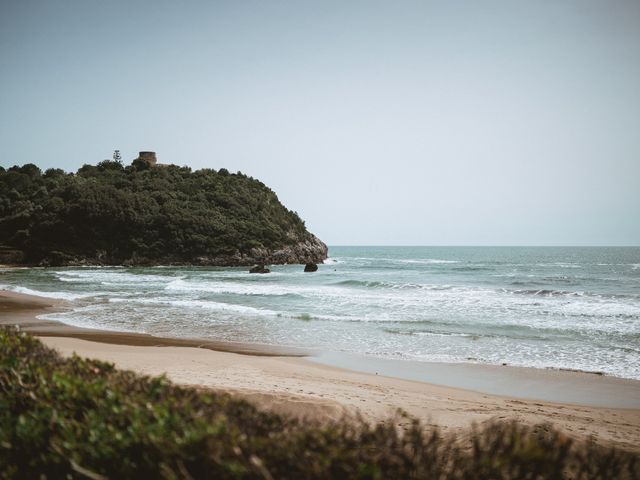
(404,261)
(111,276)
(205,304)
(427,261)
(530,310)
(57,295)
(247,288)
(81,319)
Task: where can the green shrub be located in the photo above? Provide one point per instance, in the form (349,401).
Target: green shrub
(79,418)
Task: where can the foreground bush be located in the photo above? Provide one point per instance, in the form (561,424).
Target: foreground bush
(78,418)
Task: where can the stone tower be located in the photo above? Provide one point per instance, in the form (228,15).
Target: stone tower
(149,157)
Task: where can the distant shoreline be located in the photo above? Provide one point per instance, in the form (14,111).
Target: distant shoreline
(243,263)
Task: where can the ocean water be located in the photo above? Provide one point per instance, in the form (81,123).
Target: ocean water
(558,307)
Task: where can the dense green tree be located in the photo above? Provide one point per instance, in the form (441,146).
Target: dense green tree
(115,213)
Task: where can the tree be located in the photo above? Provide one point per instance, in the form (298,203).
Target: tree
(160,214)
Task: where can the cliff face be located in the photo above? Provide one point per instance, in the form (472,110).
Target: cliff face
(109,214)
(309,251)
(312,250)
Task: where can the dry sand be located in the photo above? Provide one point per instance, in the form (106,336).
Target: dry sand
(302,387)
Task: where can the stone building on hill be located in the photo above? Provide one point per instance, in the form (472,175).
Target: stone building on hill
(149,157)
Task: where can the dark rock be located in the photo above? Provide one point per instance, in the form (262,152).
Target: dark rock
(311,267)
(259,269)
(10,256)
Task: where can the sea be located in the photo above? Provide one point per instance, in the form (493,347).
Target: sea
(572,308)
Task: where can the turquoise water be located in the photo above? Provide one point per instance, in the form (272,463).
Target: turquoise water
(576,308)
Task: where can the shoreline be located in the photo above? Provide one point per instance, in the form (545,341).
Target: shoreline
(24,310)
(566,386)
(577,388)
(297,383)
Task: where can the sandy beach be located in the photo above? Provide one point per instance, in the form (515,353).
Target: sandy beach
(285,380)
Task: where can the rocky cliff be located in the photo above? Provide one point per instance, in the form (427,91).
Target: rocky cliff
(310,251)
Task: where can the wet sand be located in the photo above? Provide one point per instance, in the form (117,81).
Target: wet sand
(285,381)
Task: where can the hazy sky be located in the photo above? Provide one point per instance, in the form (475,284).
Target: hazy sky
(423,123)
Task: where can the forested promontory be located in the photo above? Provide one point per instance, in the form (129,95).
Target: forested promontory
(143,214)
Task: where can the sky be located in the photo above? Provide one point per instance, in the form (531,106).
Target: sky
(379,122)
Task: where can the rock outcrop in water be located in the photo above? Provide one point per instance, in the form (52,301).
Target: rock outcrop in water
(311,267)
(141,214)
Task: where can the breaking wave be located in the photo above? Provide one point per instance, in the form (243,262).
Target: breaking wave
(560,308)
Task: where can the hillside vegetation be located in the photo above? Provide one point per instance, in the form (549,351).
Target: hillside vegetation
(138,214)
(79,418)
